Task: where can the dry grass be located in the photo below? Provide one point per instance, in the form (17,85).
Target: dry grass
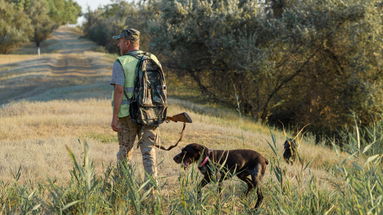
(34,135)
(8,59)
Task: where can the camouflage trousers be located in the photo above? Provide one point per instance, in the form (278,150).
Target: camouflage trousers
(147,138)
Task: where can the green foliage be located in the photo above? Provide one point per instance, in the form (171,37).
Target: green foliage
(64,12)
(21,20)
(40,20)
(337,55)
(366,140)
(110,20)
(291,68)
(364,191)
(14,26)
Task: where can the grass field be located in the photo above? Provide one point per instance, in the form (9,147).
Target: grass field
(58,151)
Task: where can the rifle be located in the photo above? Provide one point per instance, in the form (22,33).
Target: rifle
(181,117)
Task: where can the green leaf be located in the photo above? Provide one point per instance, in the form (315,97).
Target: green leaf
(31,195)
(36,207)
(70,204)
(372,158)
(367,147)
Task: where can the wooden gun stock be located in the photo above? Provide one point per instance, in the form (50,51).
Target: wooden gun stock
(181,117)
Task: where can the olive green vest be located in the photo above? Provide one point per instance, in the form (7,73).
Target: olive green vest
(129,64)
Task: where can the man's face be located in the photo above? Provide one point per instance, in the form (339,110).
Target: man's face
(123,45)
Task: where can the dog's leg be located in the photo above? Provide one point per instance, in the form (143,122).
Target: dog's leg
(250,186)
(249,183)
(256,179)
(260,197)
(206,179)
(221,179)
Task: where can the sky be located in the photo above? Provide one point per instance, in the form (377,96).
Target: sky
(93,4)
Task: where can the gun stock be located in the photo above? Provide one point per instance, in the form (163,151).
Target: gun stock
(181,117)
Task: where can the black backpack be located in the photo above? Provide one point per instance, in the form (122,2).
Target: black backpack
(149,102)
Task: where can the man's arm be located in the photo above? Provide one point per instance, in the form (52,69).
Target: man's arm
(117,99)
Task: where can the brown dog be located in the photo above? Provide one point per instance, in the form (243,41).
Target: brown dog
(290,153)
(242,163)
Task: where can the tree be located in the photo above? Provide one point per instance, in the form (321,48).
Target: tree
(43,16)
(336,66)
(41,23)
(14,26)
(105,22)
(64,11)
(288,67)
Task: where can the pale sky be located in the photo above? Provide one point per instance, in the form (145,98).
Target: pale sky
(93,4)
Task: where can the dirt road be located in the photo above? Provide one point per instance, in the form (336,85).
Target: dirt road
(69,68)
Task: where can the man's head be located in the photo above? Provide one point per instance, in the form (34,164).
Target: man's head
(128,40)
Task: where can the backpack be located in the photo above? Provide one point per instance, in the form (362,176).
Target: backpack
(148,105)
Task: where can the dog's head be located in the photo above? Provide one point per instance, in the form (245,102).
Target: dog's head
(289,144)
(190,154)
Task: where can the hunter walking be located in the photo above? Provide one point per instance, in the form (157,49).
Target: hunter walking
(124,79)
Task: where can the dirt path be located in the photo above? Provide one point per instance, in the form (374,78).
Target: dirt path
(69,68)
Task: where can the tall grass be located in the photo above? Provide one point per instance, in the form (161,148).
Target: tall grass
(119,191)
(365,140)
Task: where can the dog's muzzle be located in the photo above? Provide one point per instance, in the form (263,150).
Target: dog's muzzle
(178,158)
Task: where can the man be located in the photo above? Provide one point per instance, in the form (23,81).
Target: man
(123,79)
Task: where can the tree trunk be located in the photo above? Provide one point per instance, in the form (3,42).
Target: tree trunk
(265,109)
(38,48)
(202,87)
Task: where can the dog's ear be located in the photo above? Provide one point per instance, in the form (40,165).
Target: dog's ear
(200,150)
(287,143)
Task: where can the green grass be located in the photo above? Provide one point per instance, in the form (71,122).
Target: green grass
(101,137)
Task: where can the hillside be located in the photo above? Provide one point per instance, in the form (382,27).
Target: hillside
(62,97)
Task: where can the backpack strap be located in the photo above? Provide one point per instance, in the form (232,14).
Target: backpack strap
(138,54)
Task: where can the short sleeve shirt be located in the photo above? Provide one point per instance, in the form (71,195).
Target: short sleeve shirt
(117,74)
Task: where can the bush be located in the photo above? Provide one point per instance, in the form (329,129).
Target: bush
(315,63)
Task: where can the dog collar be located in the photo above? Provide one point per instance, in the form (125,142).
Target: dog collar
(204,161)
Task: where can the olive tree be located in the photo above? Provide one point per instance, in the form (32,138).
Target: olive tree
(14,26)
(310,62)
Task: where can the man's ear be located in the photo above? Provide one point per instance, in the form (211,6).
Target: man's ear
(128,43)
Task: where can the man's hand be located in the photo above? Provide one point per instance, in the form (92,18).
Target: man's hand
(115,124)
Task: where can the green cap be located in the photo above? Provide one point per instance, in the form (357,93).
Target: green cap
(129,34)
